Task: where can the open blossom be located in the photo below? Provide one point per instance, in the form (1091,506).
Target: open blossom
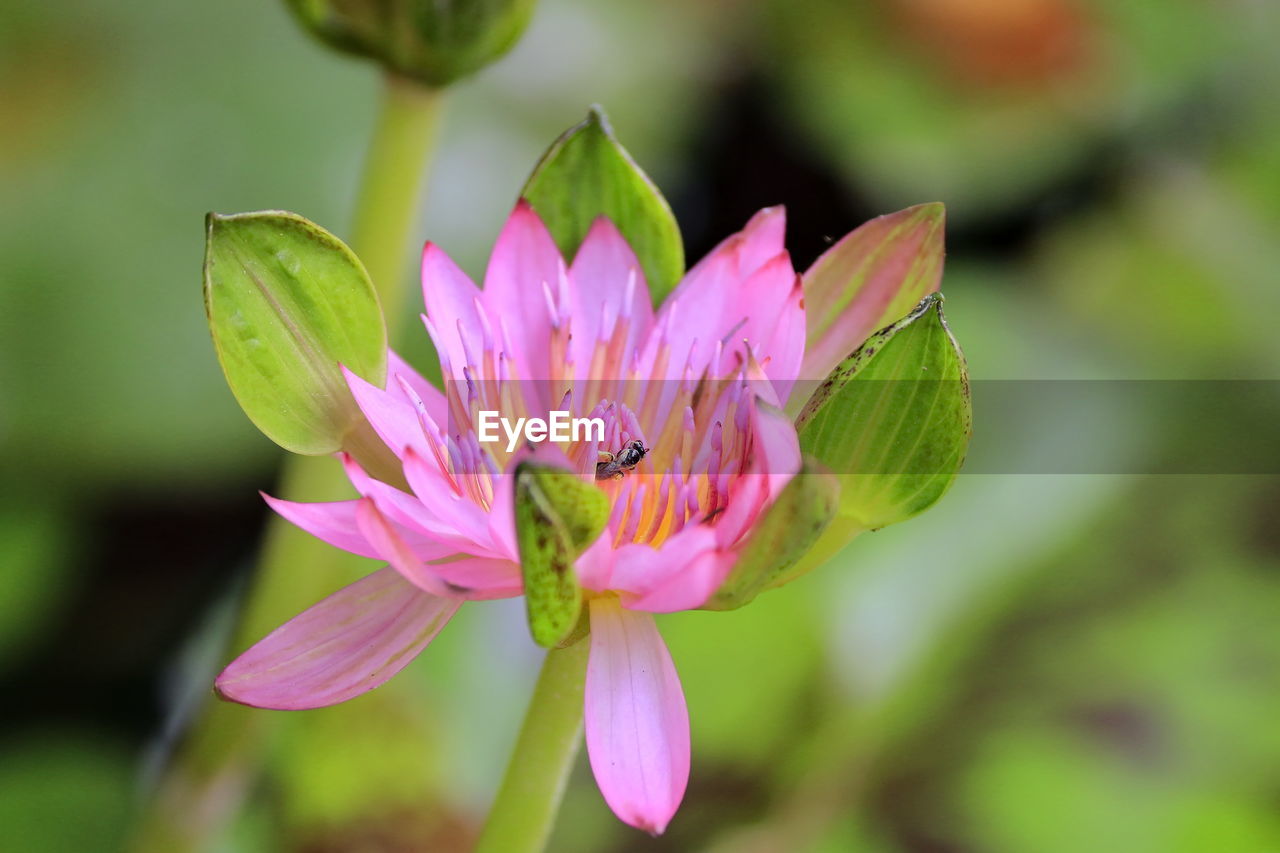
(700,383)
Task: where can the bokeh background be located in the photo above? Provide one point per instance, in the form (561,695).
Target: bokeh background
(1043,662)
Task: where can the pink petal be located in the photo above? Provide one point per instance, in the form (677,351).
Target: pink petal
(774,460)
(594,566)
(390,547)
(785,349)
(524,264)
(776,447)
(409,513)
(873,276)
(502,516)
(762,238)
(637,724)
(346,645)
(674,576)
(335,523)
(439,499)
(606,282)
(392,417)
(767,309)
(742,290)
(759,240)
(456,576)
(700,576)
(452,301)
(433,400)
(480,578)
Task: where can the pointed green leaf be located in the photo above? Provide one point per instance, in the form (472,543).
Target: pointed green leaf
(771,556)
(557,515)
(871,277)
(287,303)
(893,420)
(586,174)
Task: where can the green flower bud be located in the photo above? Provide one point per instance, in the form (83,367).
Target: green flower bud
(434,41)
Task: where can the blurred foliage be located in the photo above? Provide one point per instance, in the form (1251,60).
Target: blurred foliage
(64,792)
(1038,663)
(1120,710)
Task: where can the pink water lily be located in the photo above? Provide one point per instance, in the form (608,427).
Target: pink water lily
(701,383)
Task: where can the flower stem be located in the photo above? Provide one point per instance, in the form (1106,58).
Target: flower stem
(525,809)
(389,191)
(209,773)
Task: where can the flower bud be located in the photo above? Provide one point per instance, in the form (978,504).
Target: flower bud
(434,41)
(288,305)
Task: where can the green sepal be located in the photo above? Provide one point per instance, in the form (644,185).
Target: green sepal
(893,420)
(578,632)
(557,516)
(791,525)
(287,304)
(433,41)
(586,174)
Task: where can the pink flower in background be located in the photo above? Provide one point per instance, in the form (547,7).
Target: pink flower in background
(699,383)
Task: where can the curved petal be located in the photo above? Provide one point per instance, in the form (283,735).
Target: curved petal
(594,566)
(871,277)
(637,724)
(741,290)
(606,287)
(758,241)
(783,349)
(762,238)
(409,513)
(400,371)
(480,578)
(697,581)
(346,645)
(390,547)
(452,301)
(392,417)
(776,446)
(679,575)
(502,515)
(440,499)
(456,576)
(525,266)
(335,523)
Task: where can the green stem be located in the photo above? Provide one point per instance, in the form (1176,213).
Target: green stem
(389,190)
(207,778)
(525,809)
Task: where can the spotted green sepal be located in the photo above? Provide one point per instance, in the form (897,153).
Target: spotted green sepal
(771,556)
(585,174)
(893,420)
(557,516)
(288,303)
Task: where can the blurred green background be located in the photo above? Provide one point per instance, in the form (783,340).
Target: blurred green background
(1040,663)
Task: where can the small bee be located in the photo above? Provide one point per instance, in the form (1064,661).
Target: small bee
(612,466)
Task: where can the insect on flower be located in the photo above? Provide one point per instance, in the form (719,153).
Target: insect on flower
(612,466)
